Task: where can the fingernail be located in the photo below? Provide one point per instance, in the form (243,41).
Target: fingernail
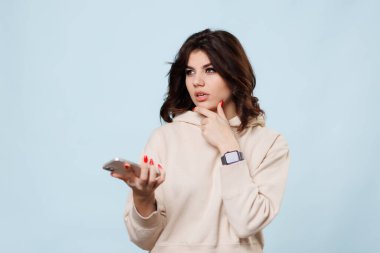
(221,103)
(145,158)
(159,166)
(126,166)
(151,162)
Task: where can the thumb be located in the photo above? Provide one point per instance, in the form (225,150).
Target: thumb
(220,110)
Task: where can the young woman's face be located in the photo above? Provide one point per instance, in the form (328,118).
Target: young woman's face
(205,86)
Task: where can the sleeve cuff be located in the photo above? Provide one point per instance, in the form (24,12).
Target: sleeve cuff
(151,221)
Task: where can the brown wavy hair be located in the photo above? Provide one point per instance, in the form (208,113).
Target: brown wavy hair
(229,60)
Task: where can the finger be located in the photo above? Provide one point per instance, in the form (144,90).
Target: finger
(157,170)
(204,111)
(162,177)
(144,174)
(204,121)
(123,177)
(117,175)
(139,184)
(152,174)
(128,169)
(220,110)
(131,182)
(121,173)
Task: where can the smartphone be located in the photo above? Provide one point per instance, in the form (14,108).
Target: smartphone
(117,165)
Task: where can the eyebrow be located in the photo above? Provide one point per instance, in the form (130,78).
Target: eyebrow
(204,66)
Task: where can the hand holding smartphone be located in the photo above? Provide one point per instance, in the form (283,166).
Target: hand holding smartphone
(119,165)
(143,180)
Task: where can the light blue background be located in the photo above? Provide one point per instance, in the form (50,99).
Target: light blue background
(82,82)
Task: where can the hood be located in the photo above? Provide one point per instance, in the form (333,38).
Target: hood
(196,118)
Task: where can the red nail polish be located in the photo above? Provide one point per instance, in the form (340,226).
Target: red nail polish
(221,103)
(126,166)
(151,162)
(159,166)
(145,158)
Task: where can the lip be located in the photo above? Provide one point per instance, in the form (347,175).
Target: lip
(202,98)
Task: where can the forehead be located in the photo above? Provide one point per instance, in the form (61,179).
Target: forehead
(198,57)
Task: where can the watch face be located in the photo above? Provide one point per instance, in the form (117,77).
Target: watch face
(232,157)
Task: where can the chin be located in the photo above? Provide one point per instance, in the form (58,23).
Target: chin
(208,106)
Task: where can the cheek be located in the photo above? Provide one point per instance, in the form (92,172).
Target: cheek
(225,91)
(188,87)
(190,90)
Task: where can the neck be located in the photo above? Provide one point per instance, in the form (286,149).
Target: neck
(230,110)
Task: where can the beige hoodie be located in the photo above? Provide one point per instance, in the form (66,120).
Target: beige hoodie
(204,206)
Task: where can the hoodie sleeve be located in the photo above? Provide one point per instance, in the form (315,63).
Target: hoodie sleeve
(144,231)
(252,201)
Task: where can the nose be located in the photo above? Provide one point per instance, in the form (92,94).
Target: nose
(198,80)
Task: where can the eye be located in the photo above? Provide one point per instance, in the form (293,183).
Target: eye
(210,70)
(189,72)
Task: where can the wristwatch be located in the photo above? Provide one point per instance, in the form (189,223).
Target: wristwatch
(232,157)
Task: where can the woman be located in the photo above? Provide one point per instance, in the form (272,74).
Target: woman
(222,173)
